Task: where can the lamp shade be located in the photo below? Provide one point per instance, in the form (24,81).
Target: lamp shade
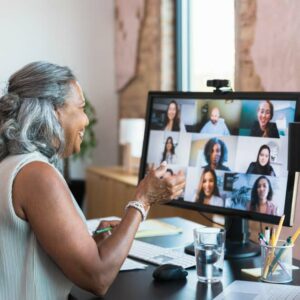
(132,132)
(294,147)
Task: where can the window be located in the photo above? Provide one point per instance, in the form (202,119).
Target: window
(205,43)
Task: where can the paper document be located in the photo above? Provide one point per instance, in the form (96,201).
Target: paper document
(154,227)
(130,264)
(248,290)
(147,228)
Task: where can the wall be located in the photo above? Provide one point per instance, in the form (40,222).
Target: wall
(155,65)
(79,34)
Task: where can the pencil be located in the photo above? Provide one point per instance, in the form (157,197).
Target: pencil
(278,230)
(273,243)
(295,235)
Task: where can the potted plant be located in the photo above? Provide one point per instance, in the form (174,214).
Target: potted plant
(89,142)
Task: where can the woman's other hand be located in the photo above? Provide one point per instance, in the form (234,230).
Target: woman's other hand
(105,224)
(154,188)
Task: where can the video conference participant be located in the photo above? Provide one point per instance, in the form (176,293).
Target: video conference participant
(215,125)
(261,197)
(172,117)
(207,191)
(169,152)
(45,245)
(262,164)
(263,127)
(215,152)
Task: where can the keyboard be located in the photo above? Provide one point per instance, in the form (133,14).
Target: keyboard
(159,255)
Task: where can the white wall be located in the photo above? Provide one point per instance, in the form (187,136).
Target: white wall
(76,33)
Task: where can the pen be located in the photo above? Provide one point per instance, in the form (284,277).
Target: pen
(102,230)
(267,234)
(262,238)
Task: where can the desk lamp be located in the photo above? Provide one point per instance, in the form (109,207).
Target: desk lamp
(131,139)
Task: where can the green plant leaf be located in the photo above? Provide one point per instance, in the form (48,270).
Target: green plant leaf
(89,139)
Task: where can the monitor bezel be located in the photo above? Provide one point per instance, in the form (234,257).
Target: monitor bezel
(251,96)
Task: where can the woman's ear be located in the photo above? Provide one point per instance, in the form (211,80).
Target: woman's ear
(59,114)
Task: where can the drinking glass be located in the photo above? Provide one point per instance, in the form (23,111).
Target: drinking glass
(209,253)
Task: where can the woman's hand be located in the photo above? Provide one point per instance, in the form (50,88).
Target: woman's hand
(154,188)
(104,224)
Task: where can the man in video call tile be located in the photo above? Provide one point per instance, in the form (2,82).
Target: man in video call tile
(215,125)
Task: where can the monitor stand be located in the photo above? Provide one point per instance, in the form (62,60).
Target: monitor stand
(237,244)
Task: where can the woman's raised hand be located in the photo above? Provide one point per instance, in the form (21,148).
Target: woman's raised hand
(154,188)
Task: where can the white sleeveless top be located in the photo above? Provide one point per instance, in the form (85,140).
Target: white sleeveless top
(26,271)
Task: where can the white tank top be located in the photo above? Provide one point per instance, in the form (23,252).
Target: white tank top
(26,271)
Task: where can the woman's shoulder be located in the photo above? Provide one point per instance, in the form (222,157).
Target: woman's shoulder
(38,173)
(251,167)
(273,130)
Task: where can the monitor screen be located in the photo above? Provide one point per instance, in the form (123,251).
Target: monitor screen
(232,148)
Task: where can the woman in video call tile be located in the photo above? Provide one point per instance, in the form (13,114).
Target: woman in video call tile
(207,191)
(215,152)
(172,121)
(261,197)
(169,152)
(262,164)
(263,127)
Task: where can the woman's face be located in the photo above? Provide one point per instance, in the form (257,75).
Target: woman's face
(263,157)
(172,111)
(262,189)
(73,119)
(208,184)
(215,154)
(264,114)
(169,145)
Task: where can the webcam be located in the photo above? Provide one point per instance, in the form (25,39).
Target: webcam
(220,85)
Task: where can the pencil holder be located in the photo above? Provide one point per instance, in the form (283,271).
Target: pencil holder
(277,262)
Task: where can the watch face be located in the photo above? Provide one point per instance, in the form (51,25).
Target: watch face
(274,149)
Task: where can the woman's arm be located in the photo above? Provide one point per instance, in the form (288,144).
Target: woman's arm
(43,199)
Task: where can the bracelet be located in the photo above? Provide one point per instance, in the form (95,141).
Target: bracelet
(139,206)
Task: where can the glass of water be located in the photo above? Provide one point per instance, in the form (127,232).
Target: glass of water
(209,252)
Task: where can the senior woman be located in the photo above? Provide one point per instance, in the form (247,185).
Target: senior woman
(45,246)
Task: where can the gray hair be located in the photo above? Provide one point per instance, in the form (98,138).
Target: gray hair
(28,120)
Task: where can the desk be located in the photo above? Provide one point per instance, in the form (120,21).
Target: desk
(139,284)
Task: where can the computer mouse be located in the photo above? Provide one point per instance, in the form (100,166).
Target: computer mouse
(169,272)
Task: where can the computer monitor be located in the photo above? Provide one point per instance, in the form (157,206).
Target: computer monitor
(233,149)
